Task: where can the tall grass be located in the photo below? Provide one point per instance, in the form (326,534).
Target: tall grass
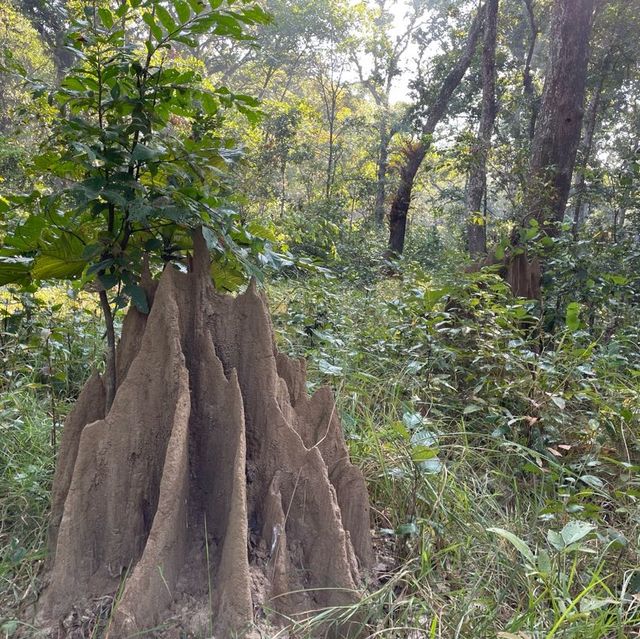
(26,468)
(442,410)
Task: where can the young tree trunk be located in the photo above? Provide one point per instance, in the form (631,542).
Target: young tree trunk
(557,135)
(215,486)
(477,183)
(586,147)
(110,381)
(527,79)
(417,152)
(381,172)
(330,90)
(330,159)
(283,187)
(619,216)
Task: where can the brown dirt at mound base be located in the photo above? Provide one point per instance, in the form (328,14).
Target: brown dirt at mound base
(213,478)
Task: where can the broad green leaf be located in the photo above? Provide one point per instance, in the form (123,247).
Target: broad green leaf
(573,316)
(108,280)
(27,236)
(156,31)
(433,296)
(544,562)
(47,267)
(423,453)
(575,531)
(210,103)
(556,540)
(121,11)
(619,280)
(182,10)
(74,83)
(226,277)
(190,42)
(14,270)
(106,17)
(166,19)
(255,15)
(138,297)
(61,258)
(399,429)
(516,542)
(197,6)
(142,153)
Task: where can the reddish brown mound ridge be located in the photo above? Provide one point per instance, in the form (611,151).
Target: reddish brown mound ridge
(213,471)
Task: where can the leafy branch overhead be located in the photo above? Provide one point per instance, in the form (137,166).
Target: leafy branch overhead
(136,157)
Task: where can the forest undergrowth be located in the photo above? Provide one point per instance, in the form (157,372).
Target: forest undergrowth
(499,443)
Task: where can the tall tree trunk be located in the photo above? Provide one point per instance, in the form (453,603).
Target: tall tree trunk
(414,154)
(381,172)
(586,147)
(330,159)
(557,134)
(417,152)
(527,78)
(477,184)
(559,124)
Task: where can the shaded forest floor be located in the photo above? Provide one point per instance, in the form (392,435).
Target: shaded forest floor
(502,461)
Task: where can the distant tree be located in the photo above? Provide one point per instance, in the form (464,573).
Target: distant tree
(21,118)
(331,71)
(378,56)
(612,75)
(477,180)
(50,19)
(434,108)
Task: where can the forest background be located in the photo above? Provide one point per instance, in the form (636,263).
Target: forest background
(380,153)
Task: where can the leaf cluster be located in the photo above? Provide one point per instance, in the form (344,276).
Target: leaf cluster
(137,158)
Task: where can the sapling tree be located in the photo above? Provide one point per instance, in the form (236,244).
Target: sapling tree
(137,156)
